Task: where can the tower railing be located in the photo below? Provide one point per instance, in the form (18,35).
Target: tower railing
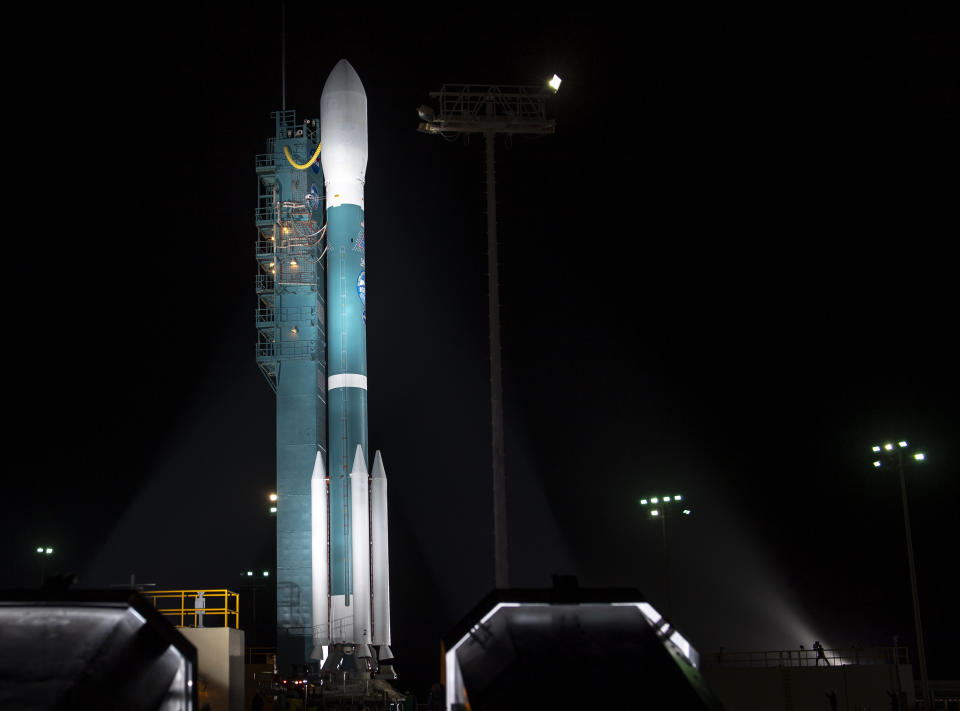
(265,247)
(266,214)
(807,657)
(265,282)
(285,313)
(289,350)
(265,161)
(197,608)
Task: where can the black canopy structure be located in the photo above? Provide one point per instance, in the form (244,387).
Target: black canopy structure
(566,647)
(103,649)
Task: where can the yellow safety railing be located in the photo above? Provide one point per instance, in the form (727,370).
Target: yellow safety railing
(197,608)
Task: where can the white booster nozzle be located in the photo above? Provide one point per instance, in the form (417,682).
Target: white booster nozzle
(343,136)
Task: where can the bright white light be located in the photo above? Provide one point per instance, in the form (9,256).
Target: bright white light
(48,551)
(919,456)
(39,550)
(686,512)
(888,446)
(655,500)
(666,498)
(266,573)
(555,83)
(903,443)
(654,512)
(876,463)
(643,502)
(249,573)
(273,497)
(273,509)
(647,609)
(680,643)
(876,448)
(677,497)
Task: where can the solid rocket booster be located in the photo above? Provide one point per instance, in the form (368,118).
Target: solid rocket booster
(319,543)
(350,569)
(360,530)
(379,557)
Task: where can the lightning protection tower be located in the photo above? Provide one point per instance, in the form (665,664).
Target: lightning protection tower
(291,348)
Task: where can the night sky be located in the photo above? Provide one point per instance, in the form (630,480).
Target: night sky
(730,272)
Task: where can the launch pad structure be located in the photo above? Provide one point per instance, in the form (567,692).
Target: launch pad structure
(333,596)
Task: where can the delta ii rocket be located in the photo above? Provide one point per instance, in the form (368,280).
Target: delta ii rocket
(350,563)
(333,589)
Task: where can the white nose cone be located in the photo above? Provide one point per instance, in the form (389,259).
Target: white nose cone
(343,136)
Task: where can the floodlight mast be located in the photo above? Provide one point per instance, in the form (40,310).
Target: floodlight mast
(896,455)
(664,504)
(491,109)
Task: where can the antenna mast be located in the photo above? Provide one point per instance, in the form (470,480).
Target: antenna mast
(283,55)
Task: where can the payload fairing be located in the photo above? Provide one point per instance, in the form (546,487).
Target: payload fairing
(341,535)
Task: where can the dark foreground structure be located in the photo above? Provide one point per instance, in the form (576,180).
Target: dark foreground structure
(570,648)
(92,649)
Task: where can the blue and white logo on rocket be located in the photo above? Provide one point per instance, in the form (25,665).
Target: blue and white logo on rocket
(362,287)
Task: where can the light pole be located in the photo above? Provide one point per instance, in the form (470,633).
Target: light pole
(44,552)
(890,454)
(658,506)
(491,110)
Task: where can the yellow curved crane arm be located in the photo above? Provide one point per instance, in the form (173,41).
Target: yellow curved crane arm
(298,166)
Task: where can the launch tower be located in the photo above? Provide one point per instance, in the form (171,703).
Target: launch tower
(291,353)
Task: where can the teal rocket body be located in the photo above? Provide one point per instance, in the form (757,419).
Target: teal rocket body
(346,377)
